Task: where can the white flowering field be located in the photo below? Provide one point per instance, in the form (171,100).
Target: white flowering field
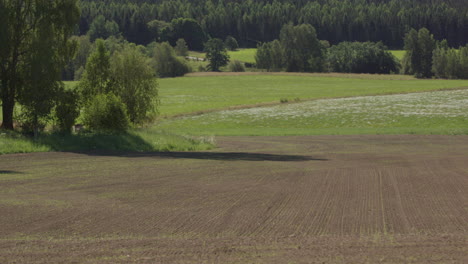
(440,112)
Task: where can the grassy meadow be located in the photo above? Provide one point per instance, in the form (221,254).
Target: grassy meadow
(199,106)
(188,95)
(439,112)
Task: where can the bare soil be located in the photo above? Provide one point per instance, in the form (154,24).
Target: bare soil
(314,199)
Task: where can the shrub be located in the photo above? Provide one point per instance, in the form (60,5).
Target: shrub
(361,57)
(181,48)
(166,62)
(236,66)
(67,110)
(231,43)
(106,112)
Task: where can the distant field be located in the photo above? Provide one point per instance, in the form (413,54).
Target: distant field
(244,55)
(399,54)
(441,112)
(187,95)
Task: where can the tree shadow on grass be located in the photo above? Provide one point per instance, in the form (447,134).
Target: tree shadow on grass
(227,156)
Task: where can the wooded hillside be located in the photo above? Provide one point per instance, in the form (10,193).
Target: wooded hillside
(254,21)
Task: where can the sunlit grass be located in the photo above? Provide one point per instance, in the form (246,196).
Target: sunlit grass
(441,112)
(187,95)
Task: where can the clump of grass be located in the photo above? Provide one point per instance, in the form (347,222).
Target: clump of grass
(135,141)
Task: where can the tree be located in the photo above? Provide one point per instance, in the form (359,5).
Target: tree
(96,78)
(160,30)
(302,49)
(419,47)
(34,37)
(102,28)
(361,57)
(181,48)
(134,81)
(231,43)
(270,56)
(190,31)
(166,63)
(216,53)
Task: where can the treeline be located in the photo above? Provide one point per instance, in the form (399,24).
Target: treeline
(299,50)
(255,21)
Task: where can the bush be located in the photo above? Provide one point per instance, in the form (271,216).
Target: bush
(236,66)
(67,110)
(231,43)
(181,48)
(106,112)
(166,63)
(361,57)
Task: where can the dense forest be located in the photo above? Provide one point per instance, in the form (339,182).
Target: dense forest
(255,21)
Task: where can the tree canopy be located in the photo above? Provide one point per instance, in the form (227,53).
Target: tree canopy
(254,21)
(35,47)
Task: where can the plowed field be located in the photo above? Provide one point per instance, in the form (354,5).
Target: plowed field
(314,199)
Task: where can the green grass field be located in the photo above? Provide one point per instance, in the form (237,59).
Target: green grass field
(439,112)
(399,54)
(244,55)
(188,97)
(134,141)
(194,94)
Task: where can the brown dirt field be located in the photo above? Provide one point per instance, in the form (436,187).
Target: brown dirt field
(313,199)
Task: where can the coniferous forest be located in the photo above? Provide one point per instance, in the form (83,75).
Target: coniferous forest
(255,21)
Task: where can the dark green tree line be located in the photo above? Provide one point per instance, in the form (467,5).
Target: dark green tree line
(254,21)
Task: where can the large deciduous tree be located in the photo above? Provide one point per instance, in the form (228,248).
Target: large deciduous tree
(303,52)
(216,53)
(35,46)
(419,46)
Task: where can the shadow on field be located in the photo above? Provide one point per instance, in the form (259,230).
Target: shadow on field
(229,156)
(10,172)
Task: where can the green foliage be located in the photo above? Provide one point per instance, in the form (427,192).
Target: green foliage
(67,110)
(106,112)
(181,48)
(419,47)
(231,43)
(216,53)
(450,63)
(236,66)
(96,78)
(166,63)
(35,47)
(190,30)
(160,30)
(133,80)
(100,28)
(251,22)
(133,140)
(361,57)
(303,52)
(270,56)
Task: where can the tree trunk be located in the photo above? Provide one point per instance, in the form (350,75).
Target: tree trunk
(8,104)
(7,108)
